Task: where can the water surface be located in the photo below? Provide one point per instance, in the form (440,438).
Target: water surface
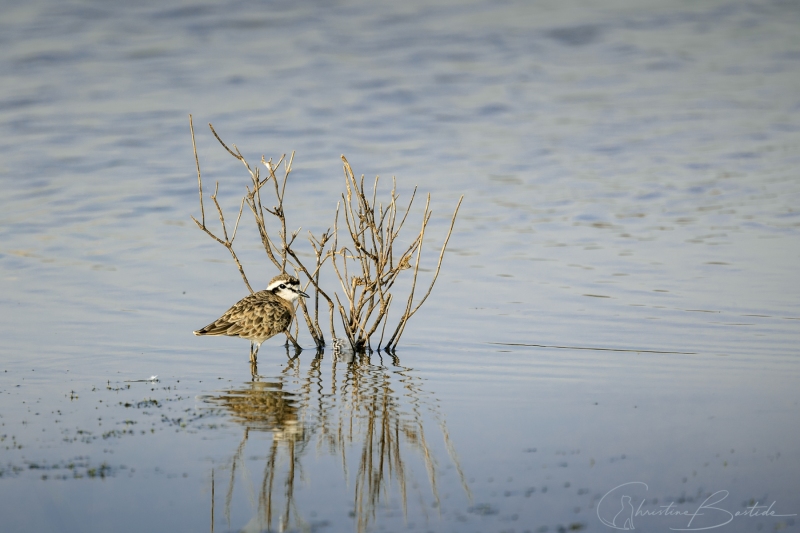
(618,306)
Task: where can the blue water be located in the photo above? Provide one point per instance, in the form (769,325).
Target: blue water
(618,304)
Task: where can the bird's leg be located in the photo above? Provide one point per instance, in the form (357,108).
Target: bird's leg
(253,353)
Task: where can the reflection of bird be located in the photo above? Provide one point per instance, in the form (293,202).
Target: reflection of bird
(626,514)
(261,315)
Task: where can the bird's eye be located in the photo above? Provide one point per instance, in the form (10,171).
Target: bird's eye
(282,286)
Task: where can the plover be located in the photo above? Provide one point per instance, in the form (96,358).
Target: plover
(261,315)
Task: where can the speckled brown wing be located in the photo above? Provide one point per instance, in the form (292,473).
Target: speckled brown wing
(257,317)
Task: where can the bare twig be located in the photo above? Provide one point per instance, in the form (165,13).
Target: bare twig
(392,344)
(228,243)
(199,180)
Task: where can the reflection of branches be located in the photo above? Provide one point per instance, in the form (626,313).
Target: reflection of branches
(372,411)
(414,393)
(381,451)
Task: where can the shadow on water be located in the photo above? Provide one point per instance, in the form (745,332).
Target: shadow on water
(359,409)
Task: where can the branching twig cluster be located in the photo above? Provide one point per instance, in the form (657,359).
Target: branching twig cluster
(366,268)
(373,230)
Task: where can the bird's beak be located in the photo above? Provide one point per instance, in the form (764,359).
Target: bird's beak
(301,293)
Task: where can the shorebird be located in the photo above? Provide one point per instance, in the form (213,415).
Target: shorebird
(261,315)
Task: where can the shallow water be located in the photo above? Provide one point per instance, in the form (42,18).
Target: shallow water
(619,303)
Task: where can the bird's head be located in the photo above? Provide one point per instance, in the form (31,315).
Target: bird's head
(286,286)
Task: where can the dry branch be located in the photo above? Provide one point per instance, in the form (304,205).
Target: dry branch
(373,231)
(227,243)
(367,267)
